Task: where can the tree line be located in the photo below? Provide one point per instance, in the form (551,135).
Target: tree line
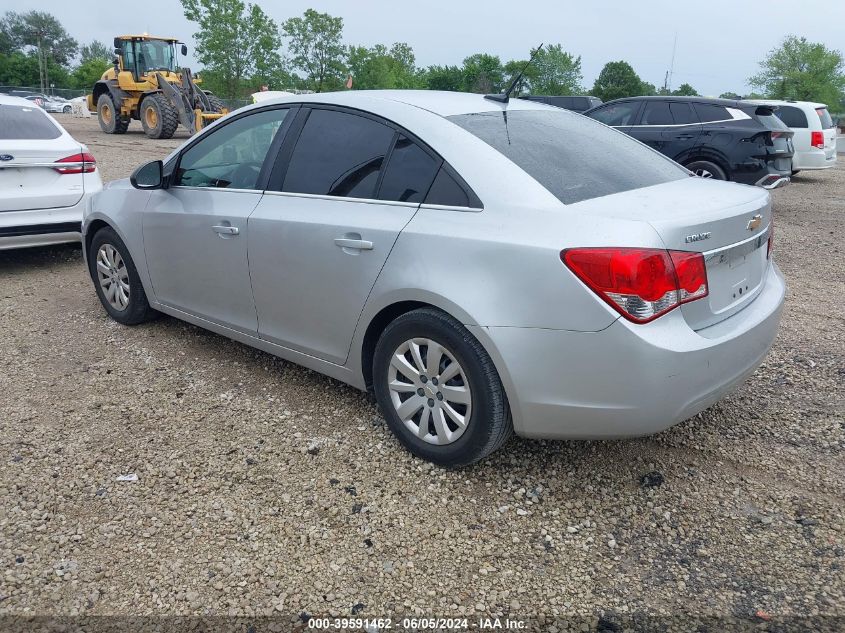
(241,48)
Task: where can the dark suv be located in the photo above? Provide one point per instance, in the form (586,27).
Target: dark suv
(714,138)
(576,103)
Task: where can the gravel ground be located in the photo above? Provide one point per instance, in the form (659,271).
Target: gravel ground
(264,488)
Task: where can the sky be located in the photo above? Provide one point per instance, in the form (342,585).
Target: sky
(719,42)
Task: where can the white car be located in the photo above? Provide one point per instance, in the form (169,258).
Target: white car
(815,133)
(46,177)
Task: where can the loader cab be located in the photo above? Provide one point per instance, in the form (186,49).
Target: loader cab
(141,55)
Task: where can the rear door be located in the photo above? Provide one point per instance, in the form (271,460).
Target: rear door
(31,176)
(327,223)
(670,127)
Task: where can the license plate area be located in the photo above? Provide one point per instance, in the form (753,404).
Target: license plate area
(735,273)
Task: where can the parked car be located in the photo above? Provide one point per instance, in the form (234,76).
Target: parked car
(46,177)
(713,138)
(50,104)
(482,266)
(814,129)
(577,103)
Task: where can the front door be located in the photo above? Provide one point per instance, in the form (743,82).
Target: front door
(196,232)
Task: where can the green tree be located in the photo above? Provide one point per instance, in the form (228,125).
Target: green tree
(617,80)
(89,72)
(96,50)
(316,50)
(730,95)
(380,67)
(802,70)
(483,73)
(24,69)
(236,43)
(515,66)
(38,30)
(556,72)
(685,90)
(649,89)
(443,78)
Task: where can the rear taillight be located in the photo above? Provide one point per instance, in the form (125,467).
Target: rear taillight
(83,164)
(640,283)
(817,139)
(776,135)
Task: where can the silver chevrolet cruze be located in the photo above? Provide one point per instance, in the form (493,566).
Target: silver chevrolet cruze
(483,267)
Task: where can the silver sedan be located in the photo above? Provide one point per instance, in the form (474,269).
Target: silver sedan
(483,267)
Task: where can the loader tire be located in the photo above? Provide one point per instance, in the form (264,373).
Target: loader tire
(109,117)
(158,116)
(216,104)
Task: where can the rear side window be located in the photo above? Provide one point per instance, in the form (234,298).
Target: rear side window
(825,118)
(446,190)
(617,114)
(26,122)
(656,113)
(569,155)
(709,112)
(792,117)
(409,173)
(682,113)
(338,154)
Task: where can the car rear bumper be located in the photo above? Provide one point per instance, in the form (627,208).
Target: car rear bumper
(628,379)
(814,159)
(41,227)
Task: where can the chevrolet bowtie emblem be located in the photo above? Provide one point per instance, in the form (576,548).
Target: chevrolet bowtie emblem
(755,222)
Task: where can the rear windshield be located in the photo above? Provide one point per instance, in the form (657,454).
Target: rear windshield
(25,122)
(824,117)
(770,121)
(572,156)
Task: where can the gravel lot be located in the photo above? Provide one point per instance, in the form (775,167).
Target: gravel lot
(266,489)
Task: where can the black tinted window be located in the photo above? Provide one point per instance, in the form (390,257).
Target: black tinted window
(569,155)
(656,113)
(232,155)
(792,117)
(409,172)
(338,154)
(617,114)
(26,122)
(682,113)
(708,112)
(446,190)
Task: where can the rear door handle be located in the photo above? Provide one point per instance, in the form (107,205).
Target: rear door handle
(361,245)
(226,230)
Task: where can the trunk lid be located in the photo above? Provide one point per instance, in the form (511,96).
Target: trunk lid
(727,222)
(28,180)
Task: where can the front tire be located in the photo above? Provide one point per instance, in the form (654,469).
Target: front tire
(158,117)
(706,169)
(109,117)
(67,109)
(116,279)
(439,390)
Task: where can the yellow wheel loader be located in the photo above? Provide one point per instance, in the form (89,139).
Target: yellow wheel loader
(146,84)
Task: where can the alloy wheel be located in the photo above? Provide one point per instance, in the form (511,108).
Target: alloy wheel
(113,277)
(703,173)
(430,391)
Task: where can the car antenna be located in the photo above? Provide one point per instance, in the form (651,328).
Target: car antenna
(505,96)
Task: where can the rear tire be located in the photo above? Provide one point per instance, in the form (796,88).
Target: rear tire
(217,104)
(116,279)
(109,117)
(453,412)
(706,169)
(67,109)
(158,116)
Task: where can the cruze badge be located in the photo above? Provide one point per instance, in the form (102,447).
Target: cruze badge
(6,157)
(755,222)
(697,237)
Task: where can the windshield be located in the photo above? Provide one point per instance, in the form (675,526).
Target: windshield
(572,156)
(154,55)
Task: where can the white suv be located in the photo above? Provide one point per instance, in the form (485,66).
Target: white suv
(815,133)
(46,177)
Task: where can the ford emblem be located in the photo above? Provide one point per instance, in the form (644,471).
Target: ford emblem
(6,157)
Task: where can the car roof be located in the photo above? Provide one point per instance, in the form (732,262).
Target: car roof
(442,103)
(12,100)
(787,102)
(729,103)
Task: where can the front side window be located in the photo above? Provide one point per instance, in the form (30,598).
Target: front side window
(617,114)
(338,154)
(570,155)
(409,172)
(231,156)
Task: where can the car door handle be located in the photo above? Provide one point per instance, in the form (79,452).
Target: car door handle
(361,245)
(685,137)
(226,230)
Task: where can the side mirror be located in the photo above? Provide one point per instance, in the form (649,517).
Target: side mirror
(148,176)
(118,43)
(184,50)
